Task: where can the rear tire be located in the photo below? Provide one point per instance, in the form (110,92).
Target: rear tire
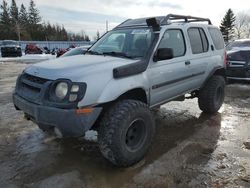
(211,96)
(126,132)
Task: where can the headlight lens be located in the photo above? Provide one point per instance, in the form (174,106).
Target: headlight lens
(64,92)
(61,90)
(75,88)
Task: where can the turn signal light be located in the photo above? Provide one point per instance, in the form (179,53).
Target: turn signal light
(84,110)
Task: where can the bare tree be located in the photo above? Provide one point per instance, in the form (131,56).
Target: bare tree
(242,25)
(248,27)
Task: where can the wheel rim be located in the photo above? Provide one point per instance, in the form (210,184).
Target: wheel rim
(135,135)
(219,95)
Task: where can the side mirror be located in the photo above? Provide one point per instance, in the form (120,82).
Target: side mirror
(163,54)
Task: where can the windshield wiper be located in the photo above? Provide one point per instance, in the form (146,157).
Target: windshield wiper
(93,53)
(118,54)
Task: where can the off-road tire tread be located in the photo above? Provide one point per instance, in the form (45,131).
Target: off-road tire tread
(110,123)
(206,94)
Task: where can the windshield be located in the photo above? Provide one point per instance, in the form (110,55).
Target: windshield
(129,43)
(9,42)
(237,44)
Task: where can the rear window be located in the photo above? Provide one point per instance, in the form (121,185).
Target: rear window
(217,38)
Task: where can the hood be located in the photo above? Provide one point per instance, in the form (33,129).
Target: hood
(77,67)
(239,54)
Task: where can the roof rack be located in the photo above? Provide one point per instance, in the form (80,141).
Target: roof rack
(123,22)
(185,18)
(161,20)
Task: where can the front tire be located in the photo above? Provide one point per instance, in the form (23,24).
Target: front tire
(126,132)
(211,96)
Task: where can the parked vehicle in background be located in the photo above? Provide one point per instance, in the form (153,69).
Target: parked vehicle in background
(46,50)
(76,51)
(238,55)
(33,49)
(60,52)
(10,48)
(139,65)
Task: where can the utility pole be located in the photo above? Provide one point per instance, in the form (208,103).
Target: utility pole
(107,26)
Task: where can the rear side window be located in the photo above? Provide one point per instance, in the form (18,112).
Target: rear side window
(174,39)
(198,40)
(217,38)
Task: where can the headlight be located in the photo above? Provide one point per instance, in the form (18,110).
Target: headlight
(65,91)
(61,90)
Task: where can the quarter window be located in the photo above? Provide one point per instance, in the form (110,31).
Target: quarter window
(198,40)
(174,39)
(217,38)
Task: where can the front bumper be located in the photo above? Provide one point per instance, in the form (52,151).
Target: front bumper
(238,70)
(67,121)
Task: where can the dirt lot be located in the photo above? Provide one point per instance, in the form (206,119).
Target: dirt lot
(190,149)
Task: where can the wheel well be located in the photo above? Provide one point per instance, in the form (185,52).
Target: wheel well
(136,94)
(221,72)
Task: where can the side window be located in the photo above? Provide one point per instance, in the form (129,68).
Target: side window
(174,39)
(217,38)
(198,40)
(204,40)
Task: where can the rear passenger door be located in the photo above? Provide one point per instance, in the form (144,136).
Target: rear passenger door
(199,55)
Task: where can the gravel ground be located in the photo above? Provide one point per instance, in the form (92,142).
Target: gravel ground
(190,149)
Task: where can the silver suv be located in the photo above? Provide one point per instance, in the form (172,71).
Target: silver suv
(139,65)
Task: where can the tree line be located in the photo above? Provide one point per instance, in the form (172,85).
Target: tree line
(25,23)
(235,26)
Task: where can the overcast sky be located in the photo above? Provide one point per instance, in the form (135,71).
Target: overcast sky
(90,15)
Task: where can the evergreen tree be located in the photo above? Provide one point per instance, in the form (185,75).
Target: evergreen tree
(227,25)
(14,18)
(34,17)
(5,21)
(15,24)
(14,12)
(86,38)
(24,23)
(23,16)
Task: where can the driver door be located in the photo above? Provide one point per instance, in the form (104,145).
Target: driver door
(167,77)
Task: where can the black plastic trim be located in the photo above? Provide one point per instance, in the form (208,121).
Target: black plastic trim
(213,72)
(51,100)
(45,95)
(176,80)
(137,67)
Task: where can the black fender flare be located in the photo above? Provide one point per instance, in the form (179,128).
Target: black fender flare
(219,70)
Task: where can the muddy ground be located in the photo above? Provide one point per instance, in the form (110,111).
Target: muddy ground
(190,149)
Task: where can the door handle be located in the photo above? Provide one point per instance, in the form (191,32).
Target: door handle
(187,62)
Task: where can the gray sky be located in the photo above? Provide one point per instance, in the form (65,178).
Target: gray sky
(90,15)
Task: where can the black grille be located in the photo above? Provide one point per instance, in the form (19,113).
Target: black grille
(29,87)
(34,79)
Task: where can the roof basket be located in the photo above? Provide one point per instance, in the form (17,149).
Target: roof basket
(161,20)
(176,17)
